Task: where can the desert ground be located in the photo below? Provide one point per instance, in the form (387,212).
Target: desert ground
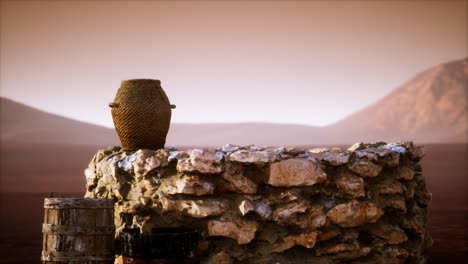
(60,168)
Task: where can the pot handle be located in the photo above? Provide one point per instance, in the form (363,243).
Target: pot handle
(173,106)
(113,105)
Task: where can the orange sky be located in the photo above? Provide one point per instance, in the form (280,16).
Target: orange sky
(305,62)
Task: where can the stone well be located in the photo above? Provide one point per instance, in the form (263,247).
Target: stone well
(365,204)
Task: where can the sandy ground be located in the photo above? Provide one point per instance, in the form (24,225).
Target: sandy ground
(445,168)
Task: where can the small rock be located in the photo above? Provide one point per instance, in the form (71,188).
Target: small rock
(395,148)
(241,231)
(391,159)
(350,184)
(294,151)
(229,148)
(254,148)
(289,210)
(354,214)
(392,201)
(391,233)
(405,173)
(337,248)
(334,156)
(389,186)
(202,160)
(127,163)
(246,206)
(363,165)
(343,253)
(409,189)
(148,160)
(416,152)
(254,156)
(220,258)
(296,214)
(357,146)
(192,185)
(296,172)
(306,240)
(263,209)
(90,173)
(193,208)
(318,150)
(377,152)
(368,154)
(281,197)
(316,217)
(176,155)
(346,256)
(236,182)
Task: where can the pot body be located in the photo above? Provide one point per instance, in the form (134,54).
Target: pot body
(141,113)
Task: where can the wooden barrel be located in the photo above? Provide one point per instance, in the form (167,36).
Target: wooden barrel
(78,230)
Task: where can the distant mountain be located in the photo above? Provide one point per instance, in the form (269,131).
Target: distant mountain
(21,123)
(432,107)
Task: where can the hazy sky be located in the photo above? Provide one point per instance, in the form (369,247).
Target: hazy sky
(305,62)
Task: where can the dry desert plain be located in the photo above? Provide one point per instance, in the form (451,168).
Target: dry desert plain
(32,171)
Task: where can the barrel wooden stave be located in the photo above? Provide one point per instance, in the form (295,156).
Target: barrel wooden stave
(76,234)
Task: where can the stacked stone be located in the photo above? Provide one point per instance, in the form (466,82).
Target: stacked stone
(365,204)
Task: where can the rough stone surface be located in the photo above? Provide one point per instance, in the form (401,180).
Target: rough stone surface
(350,185)
(364,204)
(288,214)
(364,165)
(246,206)
(220,258)
(296,172)
(393,234)
(191,185)
(306,240)
(204,161)
(405,173)
(242,231)
(237,182)
(193,208)
(354,214)
(256,156)
(334,156)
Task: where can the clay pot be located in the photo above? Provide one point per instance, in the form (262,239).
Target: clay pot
(142,114)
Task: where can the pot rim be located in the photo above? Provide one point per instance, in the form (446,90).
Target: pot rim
(133,81)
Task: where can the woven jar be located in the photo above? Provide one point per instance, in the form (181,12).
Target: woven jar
(142,114)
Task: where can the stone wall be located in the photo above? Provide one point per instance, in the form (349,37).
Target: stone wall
(366,204)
